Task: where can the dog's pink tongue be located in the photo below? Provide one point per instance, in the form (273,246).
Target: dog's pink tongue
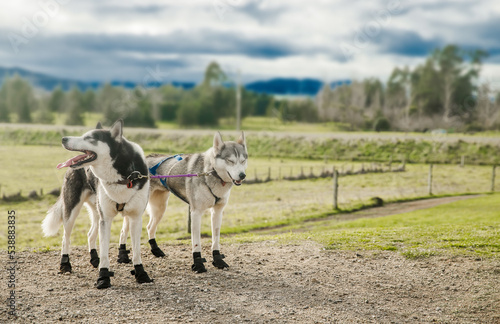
(70,162)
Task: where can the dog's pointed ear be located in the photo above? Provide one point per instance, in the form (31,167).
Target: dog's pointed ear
(218,142)
(98,126)
(242,140)
(117,130)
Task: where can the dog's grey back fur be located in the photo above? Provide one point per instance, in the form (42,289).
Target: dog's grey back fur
(190,163)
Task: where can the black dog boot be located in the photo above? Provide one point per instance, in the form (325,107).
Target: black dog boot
(123,254)
(140,275)
(198,265)
(94,258)
(65,264)
(218,262)
(157,252)
(103,281)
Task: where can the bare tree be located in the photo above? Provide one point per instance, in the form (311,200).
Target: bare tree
(487,110)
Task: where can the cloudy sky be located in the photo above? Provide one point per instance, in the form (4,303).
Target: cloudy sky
(175,40)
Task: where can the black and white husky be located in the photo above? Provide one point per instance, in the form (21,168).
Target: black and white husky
(110,177)
(224,165)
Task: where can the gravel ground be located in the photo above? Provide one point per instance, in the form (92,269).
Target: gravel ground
(267,282)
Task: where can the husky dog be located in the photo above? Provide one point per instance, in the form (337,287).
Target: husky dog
(224,164)
(110,177)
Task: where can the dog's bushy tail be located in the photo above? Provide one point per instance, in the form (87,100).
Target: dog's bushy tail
(54,218)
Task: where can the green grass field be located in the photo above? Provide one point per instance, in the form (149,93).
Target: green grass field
(469,227)
(465,228)
(252,123)
(444,228)
(263,123)
(28,158)
(290,144)
(29,167)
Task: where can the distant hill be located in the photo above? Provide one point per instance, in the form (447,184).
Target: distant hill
(48,82)
(291,86)
(277,86)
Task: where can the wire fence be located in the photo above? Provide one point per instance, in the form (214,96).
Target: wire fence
(360,182)
(302,172)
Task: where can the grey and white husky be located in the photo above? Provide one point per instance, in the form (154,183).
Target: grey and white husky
(110,177)
(224,165)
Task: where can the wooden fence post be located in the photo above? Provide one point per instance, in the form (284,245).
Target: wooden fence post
(462,161)
(493,178)
(335,189)
(430,180)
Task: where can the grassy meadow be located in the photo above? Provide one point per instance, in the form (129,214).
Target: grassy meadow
(28,157)
(468,227)
(308,141)
(251,123)
(281,202)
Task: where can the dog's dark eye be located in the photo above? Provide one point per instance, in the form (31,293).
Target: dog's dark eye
(230,161)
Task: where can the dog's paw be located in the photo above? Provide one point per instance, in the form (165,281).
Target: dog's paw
(140,275)
(157,252)
(65,264)
(123,255)
(94,258)
(103,283)
(198,265)
(104,280)
(218,262)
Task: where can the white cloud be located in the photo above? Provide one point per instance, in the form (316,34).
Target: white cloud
(95,39)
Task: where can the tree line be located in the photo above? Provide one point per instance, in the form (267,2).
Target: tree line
(204,105)
(442,92)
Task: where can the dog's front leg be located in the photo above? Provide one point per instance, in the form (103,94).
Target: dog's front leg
(135,232)
(198,265)
(122,250)
(93,232)
(158,201)
(104,236)
(216,226)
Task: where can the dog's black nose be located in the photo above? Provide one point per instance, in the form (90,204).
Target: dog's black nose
(242,176)
(64,140)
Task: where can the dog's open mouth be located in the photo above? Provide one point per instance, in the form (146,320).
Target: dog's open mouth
(79,160)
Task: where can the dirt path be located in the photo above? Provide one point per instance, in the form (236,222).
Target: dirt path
(266,283)
(386,210)
(400,208)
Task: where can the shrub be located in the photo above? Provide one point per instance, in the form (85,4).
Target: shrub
(382,125)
